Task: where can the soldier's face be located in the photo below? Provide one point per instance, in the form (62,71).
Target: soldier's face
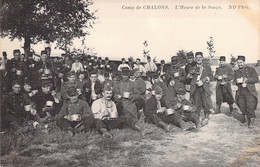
(124,77)
(16,88)
(137,62)
(27,88)
(190,60)
(137,74)
(93,78)
(107,95)
(158,96)
(222,63)
(81,76)
(72,78)
(74,98)
(46,89)
(43,57)
(16,56)
(240,63)
(199,59)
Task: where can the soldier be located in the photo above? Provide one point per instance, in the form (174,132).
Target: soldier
(224,75)
(41,70)
(14,113)
(123,65)
(104,109)
(72,81)
(16,70)
(246,95)
(75,114)
(200,86)
(175,71)
(159,83)
(139,66)
(93,88)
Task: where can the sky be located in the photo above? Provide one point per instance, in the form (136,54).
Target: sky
(120,32)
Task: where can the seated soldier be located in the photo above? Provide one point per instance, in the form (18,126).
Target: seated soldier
(93,88)
(72,81)
(75,114)
(47,103)
(14,113)
(105,109)
(185,108)
(155,112)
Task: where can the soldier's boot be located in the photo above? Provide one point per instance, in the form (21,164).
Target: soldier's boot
(185,125)
(251,123)
(105,133)
(231,109)
(218,111)
(165,126)
(244,121)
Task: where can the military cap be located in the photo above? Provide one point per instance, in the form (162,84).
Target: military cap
(72,91)
(222,58)
(158,90)
(199,53)
(16,51)
(71,73)
(190,55)
(241,58)
(181,91)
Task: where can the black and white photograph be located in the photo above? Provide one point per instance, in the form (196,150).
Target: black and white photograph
(130,83)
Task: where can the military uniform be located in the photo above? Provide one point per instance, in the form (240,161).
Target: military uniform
(199,94)
(175,69)
(11,75)
(223,87)
(247,97)
(80,107)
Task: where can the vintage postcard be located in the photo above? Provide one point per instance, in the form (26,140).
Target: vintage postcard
(222,37)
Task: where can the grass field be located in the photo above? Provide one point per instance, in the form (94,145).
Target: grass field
(223,142)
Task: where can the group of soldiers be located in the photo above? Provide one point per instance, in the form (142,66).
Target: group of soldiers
(87,93)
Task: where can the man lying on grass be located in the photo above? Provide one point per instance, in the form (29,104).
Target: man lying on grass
(104,109)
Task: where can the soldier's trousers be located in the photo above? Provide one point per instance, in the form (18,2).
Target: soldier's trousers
(124,121)
(246,103)
(89,124)
(200,100)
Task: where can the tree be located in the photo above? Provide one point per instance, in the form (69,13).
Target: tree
(46,20)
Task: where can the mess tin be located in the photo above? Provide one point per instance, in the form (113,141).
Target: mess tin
(49,103)
(170,111)
(126,95)
(18,72)
(240,80)
(186,107)
(199,83)
(27,107)
(75,117)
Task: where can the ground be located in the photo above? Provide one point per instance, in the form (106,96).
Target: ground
(223,142)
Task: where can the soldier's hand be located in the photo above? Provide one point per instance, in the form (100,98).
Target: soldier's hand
(41,70)
(224,76)
(13,69)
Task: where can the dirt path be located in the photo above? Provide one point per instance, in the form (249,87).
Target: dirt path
(223,142)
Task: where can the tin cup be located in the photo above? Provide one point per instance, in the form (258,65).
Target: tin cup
(18,72)
(79,91)
(186,107)
(28,107)
(49,103)
(126,95)
(170,111)
(177,74)
(240,80)
(33,111)
(199,83)
(47,71)
(220,77)
(153,92)
(75,117)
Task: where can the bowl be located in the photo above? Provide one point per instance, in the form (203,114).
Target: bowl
(47,71)
(220,77)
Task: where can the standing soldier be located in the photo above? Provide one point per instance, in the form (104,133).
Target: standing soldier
(246,95)
(175,71)
(224,74)
(16,70)
(200,87)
